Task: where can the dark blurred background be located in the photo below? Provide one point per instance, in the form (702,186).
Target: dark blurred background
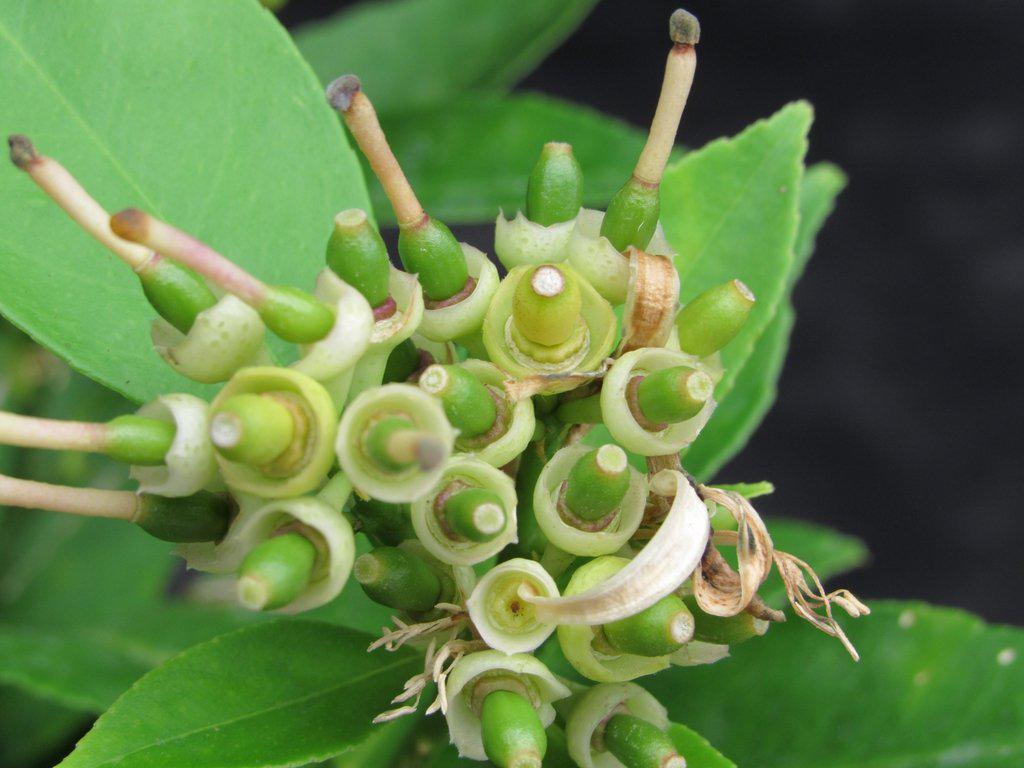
(899,417)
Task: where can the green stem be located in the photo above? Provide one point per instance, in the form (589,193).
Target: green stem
(658,630)
(511,731)
(397,579)
(714,318)
(357,254)
(276,572)
(673,394)
(252,429)
(476,514)
(467,403)
(598,482)
(639,744)
(554,192)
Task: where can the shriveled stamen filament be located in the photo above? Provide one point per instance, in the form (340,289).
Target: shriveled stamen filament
(65,190)
(675,89)
(139,227)
(346,96)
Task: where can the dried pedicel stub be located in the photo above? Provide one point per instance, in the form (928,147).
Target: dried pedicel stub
(201,517)
(554,194)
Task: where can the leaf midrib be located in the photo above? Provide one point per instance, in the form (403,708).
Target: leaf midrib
(251,715)
(44,76)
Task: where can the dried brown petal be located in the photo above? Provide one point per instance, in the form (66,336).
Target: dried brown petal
(651,301)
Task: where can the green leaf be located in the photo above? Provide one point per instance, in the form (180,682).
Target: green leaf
(472,158)
(934,687)
(753,393)
(730,210)
(416,54)
(33,729)
(204,114)
(384,746)
(281,693)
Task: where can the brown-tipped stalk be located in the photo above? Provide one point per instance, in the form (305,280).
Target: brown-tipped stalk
(427,247)
(346,96)
(63,188)
(684,30)
(290,313)
(632,215)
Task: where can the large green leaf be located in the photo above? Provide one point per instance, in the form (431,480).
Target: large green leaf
(935,687)
(415,54)
(473,157)
(730,209)
(280,693)
(753,393)
(205,114)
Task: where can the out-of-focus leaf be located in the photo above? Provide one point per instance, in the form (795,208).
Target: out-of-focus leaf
(281,693)
(739,414)
(203,113)
(934,687)
(33,729)
(473,157)
(696,749)
(417,54)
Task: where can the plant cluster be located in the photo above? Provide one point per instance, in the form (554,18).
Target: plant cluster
(447,412)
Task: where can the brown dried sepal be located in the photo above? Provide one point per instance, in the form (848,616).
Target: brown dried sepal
(551,383)
(722,591)
(651,301)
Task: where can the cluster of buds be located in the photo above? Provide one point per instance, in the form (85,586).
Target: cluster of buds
(442,410)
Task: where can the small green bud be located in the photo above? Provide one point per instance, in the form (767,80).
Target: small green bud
(713,319)
(276,572)
(200,517)
(674,394)
(639,744)
(512,732)
(476,514)
(294,315)
(402,362)
(546,305)
(398,579)
(138,440)
(658,630)
(357,254)
(632,215)
(176,292)
(252,429)
(554,192)
(467,403)
(724,630)
(384,522)
(394,443)
(429,250)
(598,482)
